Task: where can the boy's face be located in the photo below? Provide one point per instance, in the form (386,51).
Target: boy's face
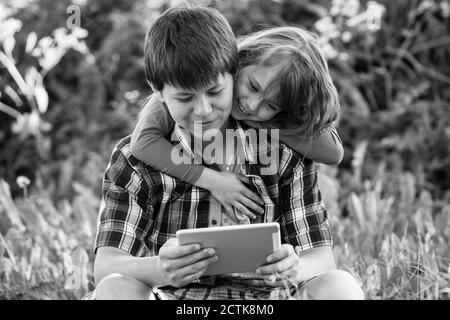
(208,108)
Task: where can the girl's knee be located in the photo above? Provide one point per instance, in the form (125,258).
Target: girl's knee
(334,285)
(116,286)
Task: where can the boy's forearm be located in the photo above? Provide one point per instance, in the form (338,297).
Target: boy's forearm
(144,269)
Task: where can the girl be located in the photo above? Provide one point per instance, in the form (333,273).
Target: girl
(283,82)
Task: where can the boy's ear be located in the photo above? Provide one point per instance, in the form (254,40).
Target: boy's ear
(157,92)
(153,88)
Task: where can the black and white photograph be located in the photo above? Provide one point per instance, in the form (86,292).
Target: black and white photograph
(246,151)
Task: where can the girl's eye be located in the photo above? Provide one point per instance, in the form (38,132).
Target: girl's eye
(272,107)
(253,87)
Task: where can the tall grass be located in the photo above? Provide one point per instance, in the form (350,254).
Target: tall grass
(395,239)
(46,252)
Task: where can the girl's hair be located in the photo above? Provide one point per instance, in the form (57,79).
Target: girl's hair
(303,86)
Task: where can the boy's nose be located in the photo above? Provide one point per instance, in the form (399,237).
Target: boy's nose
(203,108)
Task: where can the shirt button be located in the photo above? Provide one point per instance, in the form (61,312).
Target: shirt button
(214,222)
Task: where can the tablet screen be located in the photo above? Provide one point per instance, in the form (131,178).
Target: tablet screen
(240,248)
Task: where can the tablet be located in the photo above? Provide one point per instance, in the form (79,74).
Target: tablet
(240,248)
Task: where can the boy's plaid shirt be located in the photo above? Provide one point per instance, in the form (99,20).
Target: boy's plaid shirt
(142,208)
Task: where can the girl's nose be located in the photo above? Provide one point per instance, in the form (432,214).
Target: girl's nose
(253,104)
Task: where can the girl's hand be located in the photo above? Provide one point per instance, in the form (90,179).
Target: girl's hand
(230,191)
(283,267)
(181,265)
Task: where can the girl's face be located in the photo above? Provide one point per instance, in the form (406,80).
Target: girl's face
(250,101)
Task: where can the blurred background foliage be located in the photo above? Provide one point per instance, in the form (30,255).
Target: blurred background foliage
(67,95)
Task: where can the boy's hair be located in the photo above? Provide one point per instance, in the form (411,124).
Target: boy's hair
(189,47)
(302,87)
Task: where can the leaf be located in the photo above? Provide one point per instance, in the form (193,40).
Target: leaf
(329,187)
(85,206)
(31,77)
(25,269)
(371,209)
(41,96)
(8,46)
(4,246)
(34,219)
(36,255)
(356,209)
(13,95)
(423,217)
(358,158)
(34,81)
(9,214)
(396,244)
(31,42)
(7,268)
(385,207)
(359,153)
(409,190)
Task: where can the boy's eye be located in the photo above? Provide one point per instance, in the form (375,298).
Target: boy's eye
(187,99)
(216,92)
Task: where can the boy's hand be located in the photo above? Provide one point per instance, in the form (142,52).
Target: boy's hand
(230,191)
(181,265)
(283,267)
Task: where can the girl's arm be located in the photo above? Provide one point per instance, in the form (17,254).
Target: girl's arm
(325,147)
(150,145)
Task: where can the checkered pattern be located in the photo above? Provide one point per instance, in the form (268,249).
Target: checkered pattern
(142,208)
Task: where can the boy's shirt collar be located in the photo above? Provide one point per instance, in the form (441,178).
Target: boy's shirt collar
(247,148)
